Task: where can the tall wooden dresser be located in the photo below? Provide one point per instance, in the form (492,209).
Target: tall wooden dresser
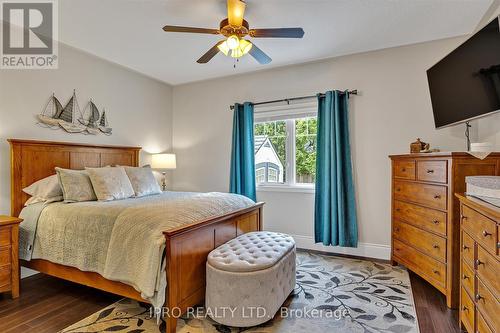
(480,266)
(426,214)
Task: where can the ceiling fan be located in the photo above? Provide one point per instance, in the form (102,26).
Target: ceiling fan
(234,28)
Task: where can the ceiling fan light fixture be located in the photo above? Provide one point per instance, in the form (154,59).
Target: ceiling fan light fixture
(236,53)
(245,46)
(233,42)
(224,48)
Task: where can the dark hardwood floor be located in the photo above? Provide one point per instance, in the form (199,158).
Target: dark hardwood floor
(432,313)
(47,305)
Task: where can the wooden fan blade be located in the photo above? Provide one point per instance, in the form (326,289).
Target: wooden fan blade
(259,55)
(277,33)
(175,28)
(210,54)
(235,12)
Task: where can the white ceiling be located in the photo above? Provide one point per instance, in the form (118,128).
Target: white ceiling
(129,32)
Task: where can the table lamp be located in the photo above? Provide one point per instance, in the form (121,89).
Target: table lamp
(164,162)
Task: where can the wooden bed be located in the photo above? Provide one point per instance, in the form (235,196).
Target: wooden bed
(186,247)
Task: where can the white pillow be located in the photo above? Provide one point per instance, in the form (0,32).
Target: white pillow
(110,183)
(35,200)
(143,181)
(76,185)
(45,189)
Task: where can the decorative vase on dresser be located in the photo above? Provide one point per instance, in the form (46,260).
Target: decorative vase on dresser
(480,266)
(426,214)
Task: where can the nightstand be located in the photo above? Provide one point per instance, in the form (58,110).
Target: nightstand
(9,255)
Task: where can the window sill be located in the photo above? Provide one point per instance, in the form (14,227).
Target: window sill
(286,188)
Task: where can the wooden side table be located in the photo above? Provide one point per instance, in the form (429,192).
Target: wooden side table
(9,255)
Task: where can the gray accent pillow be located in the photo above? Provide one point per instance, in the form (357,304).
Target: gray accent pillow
(76,185)
(110,183)
(143,181)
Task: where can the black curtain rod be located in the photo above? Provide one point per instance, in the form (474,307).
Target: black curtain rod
(288,100)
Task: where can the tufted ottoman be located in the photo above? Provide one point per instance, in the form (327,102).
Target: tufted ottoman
(249,278)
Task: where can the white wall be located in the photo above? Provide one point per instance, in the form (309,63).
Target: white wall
(138,108)
(393,109)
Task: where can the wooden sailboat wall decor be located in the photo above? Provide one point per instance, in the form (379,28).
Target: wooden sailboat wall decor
(71,119)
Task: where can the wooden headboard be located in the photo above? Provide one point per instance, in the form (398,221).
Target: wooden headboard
(35,160)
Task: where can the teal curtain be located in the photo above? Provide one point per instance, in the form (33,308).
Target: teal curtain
(335,205)
(242,154)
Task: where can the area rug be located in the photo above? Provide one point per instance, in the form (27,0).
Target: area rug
(332,294)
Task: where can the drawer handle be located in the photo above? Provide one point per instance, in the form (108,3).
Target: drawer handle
(430,171)
(486,233)
(464,217)
(435,272)
(398,189)
(435,221)
(464,308)
(437,196)
(398,209)
(396,229)
(479,297)
(435,246)
(465,247)
(403,169)
(479,262)
(465,277)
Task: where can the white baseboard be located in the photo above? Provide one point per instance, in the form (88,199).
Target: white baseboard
(25,272)
(368,250)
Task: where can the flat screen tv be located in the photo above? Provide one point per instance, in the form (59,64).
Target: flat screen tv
(466,84)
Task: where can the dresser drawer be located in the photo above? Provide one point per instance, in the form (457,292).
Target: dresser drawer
(432,171)
(467,249)
(5,236)
(487,304)
(424,241)
(404,169)
(467,278)
(418,262)
(5,256)
(482,326)
(488,270)
(425,218)
(5,276)
(433,196)
(481,228)
(467,311)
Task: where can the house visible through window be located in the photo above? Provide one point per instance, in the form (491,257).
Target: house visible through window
(285,150)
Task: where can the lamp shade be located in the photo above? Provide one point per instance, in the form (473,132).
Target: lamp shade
(163,161)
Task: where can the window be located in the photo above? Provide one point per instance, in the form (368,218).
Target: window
(272,176)
(260,175)
(285,149)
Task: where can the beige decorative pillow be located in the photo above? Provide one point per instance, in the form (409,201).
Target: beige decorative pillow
(44,190)
(76,185)
(143,181)
(110,183)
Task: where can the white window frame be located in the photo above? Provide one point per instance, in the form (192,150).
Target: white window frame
(287,113)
